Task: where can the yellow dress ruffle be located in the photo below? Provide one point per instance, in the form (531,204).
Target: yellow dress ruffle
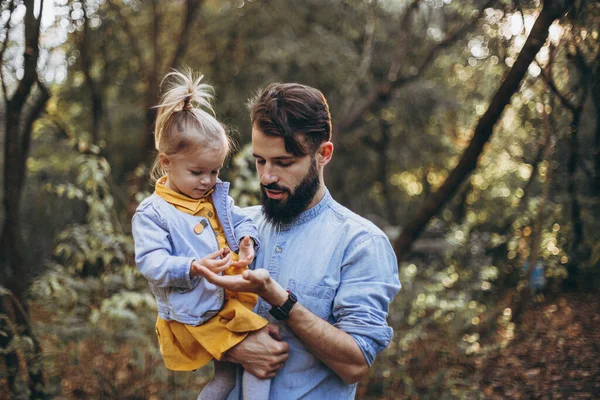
(187,347)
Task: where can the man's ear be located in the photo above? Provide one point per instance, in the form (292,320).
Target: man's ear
(324,153)
(163,159)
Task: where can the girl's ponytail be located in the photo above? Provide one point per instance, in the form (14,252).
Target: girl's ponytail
(185,118)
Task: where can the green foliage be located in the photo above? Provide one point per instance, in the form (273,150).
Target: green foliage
(98,244)
(92,307)
(245,187)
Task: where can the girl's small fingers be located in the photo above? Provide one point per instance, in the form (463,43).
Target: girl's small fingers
(218,263)
(214,255)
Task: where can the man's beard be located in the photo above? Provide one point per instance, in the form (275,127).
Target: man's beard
(279,212)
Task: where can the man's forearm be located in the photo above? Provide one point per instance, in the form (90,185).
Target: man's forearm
(337,349)
(334,347)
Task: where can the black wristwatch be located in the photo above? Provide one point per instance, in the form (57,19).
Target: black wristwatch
(282,312)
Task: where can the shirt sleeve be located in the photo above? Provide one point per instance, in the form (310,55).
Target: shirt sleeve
(242,224)
(154,253)
(369,282)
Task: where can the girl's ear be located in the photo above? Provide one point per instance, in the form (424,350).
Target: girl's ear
(324,153)
(163,159)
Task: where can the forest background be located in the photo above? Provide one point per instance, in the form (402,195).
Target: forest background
(468,131)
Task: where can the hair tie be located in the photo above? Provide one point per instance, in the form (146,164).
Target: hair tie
(187,104)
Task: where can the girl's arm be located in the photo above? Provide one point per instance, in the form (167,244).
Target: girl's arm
(242,225)
(153,253)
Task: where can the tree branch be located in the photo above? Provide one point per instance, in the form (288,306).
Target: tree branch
(365,64)
(11,8)
(586,170)
(484,129)
(31,54)
(86,66)
(131,38)
(546,76)
(401,41)
(383,91)
(191,8)
(31,116)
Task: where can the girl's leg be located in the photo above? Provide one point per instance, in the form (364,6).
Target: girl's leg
(220,386)
(255,388)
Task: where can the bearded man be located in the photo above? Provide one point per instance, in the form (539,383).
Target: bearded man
(325,275)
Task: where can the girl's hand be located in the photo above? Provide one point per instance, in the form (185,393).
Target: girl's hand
(212,263)
(246,253)
(258,281)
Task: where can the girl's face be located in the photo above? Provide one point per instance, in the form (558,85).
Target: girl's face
(194,172)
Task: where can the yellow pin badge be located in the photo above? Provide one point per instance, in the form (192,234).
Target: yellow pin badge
(199,228)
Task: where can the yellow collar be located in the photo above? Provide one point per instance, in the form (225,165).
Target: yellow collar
(179,199)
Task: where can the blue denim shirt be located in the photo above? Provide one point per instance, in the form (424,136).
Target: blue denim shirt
(343,269)
(166,245)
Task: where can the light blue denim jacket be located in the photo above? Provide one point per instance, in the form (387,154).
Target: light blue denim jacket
(343,269)
(166,245)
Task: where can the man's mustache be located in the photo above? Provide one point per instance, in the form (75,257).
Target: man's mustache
(274,186)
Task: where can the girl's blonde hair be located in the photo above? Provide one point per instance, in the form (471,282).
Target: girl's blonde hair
(185,119)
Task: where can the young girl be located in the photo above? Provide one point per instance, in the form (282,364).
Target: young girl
(190,221)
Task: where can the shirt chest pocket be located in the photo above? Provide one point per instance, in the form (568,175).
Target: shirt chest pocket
(317,298)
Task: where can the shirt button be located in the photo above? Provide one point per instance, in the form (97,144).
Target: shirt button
(210,214)
(278,249)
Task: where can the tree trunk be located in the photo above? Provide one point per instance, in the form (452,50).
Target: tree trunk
(524,295)
(381,147)
(14,273)
(576,221)
(93,87)
(596,98)
(484,129)
(191,9)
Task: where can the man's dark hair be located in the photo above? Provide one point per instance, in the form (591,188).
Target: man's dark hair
(298,113)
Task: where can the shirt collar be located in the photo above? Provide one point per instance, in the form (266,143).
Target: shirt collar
(179,199)
(312,212)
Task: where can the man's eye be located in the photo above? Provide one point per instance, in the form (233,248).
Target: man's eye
(260,162)
(284,164)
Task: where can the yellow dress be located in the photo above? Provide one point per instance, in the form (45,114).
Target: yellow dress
(187,347)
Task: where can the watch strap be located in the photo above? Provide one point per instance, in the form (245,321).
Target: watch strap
(281,313)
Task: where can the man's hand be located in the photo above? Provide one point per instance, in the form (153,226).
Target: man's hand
(211,262)
(258,281)
(246,253)
(262,353)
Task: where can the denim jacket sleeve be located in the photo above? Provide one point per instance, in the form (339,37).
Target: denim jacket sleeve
(242,224)
(369,281)
(154,253)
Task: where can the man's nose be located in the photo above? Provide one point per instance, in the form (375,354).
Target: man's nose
(267,177)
